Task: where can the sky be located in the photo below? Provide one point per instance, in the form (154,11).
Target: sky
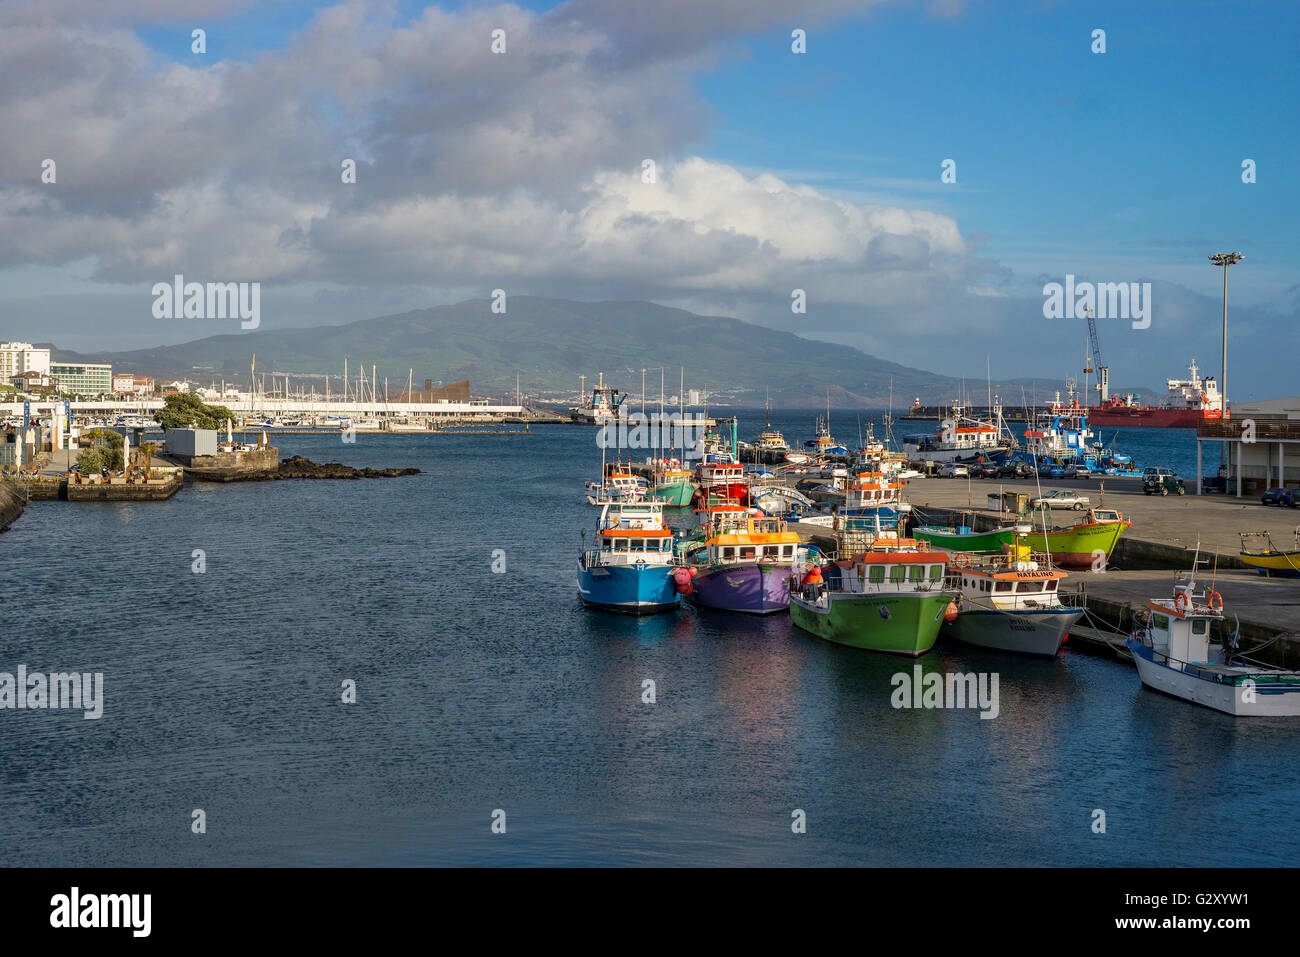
(775,170)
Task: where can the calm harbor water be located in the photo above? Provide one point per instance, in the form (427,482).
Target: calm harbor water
(478,691)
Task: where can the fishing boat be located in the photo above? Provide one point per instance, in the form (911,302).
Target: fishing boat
(1259,552)
(631,569)
(872,494)
(822,443)
(1086,545)
(672,484)
(745,564)
(1177,654)
(960,438)
(720,475)
(619,486)
(1010,603)
(769,440)
(961,538)
(890,597)
(601,407)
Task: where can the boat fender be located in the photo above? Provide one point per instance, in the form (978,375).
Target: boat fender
(682,581)
(950,613)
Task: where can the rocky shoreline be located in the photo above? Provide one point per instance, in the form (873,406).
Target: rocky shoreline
(295,467)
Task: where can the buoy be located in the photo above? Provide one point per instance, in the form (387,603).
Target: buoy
(813,577)
(682,579)
(950,613)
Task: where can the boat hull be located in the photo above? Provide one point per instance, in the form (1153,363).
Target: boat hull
(761,589)
(1025,632)
(1148,417)
(1084,547)
(675,494)
(1271,698)
(899,624)
(630,589)
(976,543)
(1273,564)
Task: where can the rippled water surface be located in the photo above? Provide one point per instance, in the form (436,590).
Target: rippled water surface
(479,691)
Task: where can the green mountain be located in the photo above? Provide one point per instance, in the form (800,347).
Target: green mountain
(550,342)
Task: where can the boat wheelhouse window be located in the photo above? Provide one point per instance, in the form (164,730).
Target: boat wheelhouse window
(1160,621)
(936,572)
(1002,586)
(787,551)
(1031,586)
(747,552)
(1051,586)
(984,585)
(1198,626)
(896,573)
(876,573)
(916,573)
(620,543)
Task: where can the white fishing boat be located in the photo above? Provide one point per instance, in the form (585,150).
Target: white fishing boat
(1011,603)
(1176,653)
(618,487)
(961,437)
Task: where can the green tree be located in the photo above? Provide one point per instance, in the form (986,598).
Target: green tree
(90,461)
(184,410)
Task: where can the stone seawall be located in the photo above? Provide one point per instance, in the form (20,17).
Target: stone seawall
(232,466)
(11,506)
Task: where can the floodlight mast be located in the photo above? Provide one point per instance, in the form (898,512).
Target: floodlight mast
(1225,260)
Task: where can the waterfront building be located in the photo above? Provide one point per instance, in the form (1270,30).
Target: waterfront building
(128,383)
(1260,446)
(82,378)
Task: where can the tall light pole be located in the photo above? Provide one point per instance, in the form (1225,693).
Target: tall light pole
(1225,260)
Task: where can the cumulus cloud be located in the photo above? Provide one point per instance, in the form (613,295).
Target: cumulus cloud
(516,168)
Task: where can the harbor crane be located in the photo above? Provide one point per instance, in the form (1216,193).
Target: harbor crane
(1103,372)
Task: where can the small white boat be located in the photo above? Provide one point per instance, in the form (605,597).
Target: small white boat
(1177,654)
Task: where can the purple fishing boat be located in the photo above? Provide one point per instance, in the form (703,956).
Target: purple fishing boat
(746,566)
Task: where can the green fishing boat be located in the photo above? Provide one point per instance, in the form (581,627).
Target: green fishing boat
(963,539)
(890,598)
(675,487)
(1086,545)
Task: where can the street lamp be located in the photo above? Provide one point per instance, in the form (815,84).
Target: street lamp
(1225,260)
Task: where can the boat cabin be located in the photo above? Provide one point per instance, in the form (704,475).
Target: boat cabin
(632,515)
(893,564)
(1009,582)
(749,540)
(1181,629)
(630,546)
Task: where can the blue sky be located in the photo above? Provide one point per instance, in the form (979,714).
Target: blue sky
(1118,166)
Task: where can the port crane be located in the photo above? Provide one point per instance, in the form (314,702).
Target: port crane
(1103,372)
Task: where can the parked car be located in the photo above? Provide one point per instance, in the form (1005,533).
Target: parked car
(1060,498)
(1014,470)
(1280,496)
(1078,471)
(984,470)
(1157,481)
(953,470)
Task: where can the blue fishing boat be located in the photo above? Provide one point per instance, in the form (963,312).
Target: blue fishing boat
(632,568)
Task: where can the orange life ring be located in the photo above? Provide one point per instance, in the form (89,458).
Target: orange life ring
(1181,602)
(961,560)
(1216,601)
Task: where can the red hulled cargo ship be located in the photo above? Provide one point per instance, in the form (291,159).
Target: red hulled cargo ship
(1190,401)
